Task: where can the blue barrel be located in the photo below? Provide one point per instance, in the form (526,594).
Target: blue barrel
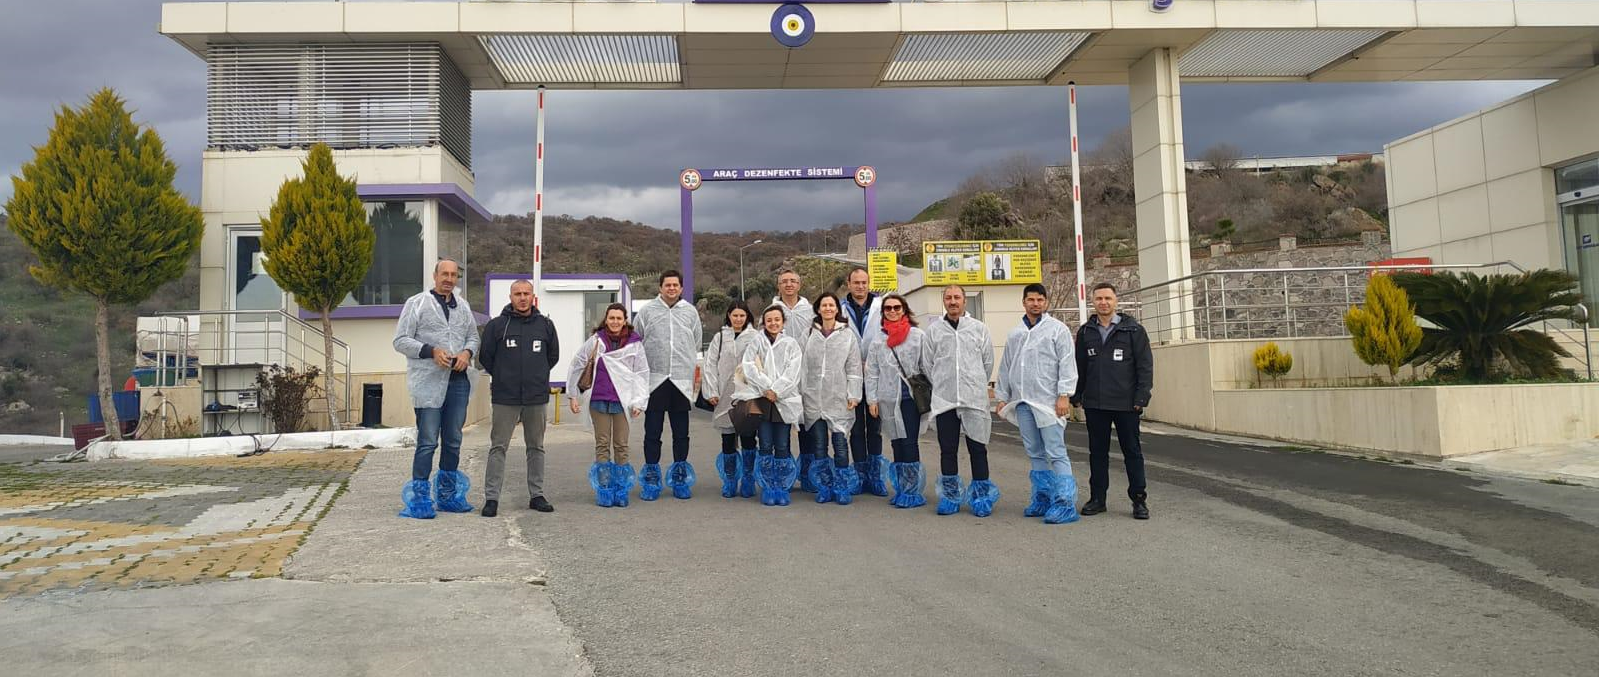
(126,402)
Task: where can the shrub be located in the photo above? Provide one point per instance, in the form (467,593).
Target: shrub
(1480,322)
(1272,361)
(286,395)
(1384,331)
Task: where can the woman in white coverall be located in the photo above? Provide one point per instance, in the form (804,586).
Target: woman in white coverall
(736,464)
(771,371)
(830,391)
(894,356)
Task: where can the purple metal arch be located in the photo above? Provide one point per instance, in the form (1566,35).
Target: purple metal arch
(686,202)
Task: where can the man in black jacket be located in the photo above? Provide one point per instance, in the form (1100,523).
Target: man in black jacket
(1116,372)
(519,349)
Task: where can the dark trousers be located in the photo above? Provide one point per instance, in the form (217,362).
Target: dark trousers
(733,443)
(908,450)
(1126,422)
(866,436)
(949,443)
(666,402)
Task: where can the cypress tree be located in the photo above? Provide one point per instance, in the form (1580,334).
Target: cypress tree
(1384,331)
(318,245)
(98,208)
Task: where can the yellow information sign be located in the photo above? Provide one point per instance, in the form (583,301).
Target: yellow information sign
(966,262)
(882,265)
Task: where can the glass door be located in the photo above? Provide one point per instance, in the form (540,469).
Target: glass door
(1581,229)
(252,338)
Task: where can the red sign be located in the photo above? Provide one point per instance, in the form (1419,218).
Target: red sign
(1403,261)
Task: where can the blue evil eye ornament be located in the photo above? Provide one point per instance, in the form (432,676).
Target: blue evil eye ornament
(793,25)
(1160,5)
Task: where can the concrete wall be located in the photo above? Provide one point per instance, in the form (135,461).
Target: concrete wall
(1210,385)
(1481,188)
(397,409)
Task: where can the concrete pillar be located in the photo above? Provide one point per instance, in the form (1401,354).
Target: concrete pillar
(1161,190)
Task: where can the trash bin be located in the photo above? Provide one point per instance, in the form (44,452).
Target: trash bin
(371,405)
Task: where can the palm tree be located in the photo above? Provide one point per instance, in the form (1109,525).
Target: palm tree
(1478,320)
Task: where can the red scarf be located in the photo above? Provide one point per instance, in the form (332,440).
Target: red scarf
(897,330)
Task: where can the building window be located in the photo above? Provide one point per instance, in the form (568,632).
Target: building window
(974,305)
(1574,178)
(452,243)
(397,271)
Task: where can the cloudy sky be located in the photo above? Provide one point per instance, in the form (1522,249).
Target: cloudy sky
(618,153)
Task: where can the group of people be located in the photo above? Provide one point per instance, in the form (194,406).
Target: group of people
(843,371)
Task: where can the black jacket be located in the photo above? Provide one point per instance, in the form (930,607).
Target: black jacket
(1117,373)
(518,353)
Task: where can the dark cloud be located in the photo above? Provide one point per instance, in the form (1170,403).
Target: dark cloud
(618,153)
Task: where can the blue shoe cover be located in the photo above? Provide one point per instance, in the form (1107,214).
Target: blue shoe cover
(449,491)
(680,476)
(787,472)
(877,470)
(729,467)
(983,494)
(621,484)
(649,482)
(821,477)
(861,471)
(909,481)
(1064,509)
(600,479)
(746,469)
(1043,492)
(766,477)
(846,483)
(806,483)
(418,500)
(950,494)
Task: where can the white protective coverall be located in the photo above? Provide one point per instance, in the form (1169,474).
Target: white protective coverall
(775,367)
(833,376)
(671,341)
(1039,366)
(960,361)
(883,379)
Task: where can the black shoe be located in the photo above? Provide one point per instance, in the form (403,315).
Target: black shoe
(491,508)
(538,503)
(1140,511)
(1094,506)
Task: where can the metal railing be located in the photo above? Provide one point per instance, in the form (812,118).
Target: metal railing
(269,337)
(1264,303)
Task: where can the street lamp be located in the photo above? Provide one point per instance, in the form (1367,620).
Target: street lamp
(742,294)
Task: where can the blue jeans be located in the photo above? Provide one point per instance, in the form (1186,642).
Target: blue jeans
(606,406)
(1046,446)
(774,439)
(817,437)
(447,420)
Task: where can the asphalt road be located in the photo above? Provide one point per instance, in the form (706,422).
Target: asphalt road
(1257,562)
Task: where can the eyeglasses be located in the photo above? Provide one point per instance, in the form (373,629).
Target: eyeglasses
(893,308)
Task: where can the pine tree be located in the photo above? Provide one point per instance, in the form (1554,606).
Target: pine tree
(318,246)
(97,207)
(1384,331)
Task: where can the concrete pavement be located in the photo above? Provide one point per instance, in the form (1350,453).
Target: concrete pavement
(1257,561)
